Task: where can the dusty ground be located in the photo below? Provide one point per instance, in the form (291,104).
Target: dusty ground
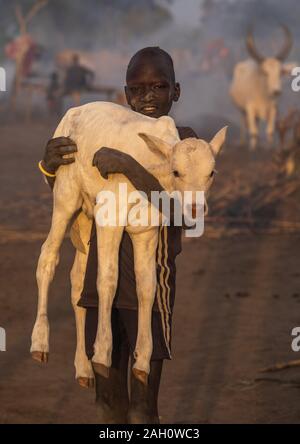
(237,301)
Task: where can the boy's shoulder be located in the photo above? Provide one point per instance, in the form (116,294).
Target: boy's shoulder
(185,132)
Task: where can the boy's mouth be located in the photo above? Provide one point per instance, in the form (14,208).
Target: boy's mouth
(149,109)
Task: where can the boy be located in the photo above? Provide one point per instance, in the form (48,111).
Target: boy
(151,90)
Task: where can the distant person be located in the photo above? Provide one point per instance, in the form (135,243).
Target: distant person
(54,96)
(78,79)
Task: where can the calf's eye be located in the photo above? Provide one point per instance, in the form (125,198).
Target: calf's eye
(176,173)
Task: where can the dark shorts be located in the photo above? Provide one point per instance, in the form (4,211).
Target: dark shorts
(124,330)
(125,302)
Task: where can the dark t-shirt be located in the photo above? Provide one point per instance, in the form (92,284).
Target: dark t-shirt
(77,79)
(169,246)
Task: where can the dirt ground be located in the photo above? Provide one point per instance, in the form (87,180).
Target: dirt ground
(238,298)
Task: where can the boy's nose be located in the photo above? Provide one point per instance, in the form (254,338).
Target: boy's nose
(148,96)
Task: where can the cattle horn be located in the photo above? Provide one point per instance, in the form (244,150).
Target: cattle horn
(251,47)
(282,55)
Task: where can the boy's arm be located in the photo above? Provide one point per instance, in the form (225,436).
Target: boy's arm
(109,161)
(141,178)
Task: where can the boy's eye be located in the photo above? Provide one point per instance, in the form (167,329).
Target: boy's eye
(160,86)
(135,89)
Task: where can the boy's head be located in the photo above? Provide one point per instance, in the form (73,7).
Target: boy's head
(150,82)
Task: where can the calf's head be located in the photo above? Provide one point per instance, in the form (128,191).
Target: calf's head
(189,165)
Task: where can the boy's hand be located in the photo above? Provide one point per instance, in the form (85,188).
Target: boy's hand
(110,161)
(54,151)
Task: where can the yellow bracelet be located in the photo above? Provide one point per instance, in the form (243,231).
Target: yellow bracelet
(44,171)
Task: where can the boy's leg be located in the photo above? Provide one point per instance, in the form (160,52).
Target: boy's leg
(112,392)
(143,408)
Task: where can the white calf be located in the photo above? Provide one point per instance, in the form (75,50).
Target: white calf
(77,185)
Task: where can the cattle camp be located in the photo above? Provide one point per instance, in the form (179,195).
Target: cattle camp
(150,223)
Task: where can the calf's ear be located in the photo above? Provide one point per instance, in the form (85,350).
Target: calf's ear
(218,140)
(157,145)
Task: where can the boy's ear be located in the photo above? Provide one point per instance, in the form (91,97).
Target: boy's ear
(176,92)
(127,94)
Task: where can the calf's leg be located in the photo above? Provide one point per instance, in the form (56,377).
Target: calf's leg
(108,241)
(144,248)
(65,205)
(84,371)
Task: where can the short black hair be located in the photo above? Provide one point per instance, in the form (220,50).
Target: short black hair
(152,51)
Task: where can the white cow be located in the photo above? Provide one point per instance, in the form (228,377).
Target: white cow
(105,124)
(256,86)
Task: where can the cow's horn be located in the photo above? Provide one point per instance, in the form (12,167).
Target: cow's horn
(251,46)
(282,55)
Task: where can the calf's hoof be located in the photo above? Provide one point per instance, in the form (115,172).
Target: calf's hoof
(140,375)
(101,369)
(86,382)
(40,356)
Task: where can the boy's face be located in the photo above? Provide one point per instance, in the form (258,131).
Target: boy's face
(150,89)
